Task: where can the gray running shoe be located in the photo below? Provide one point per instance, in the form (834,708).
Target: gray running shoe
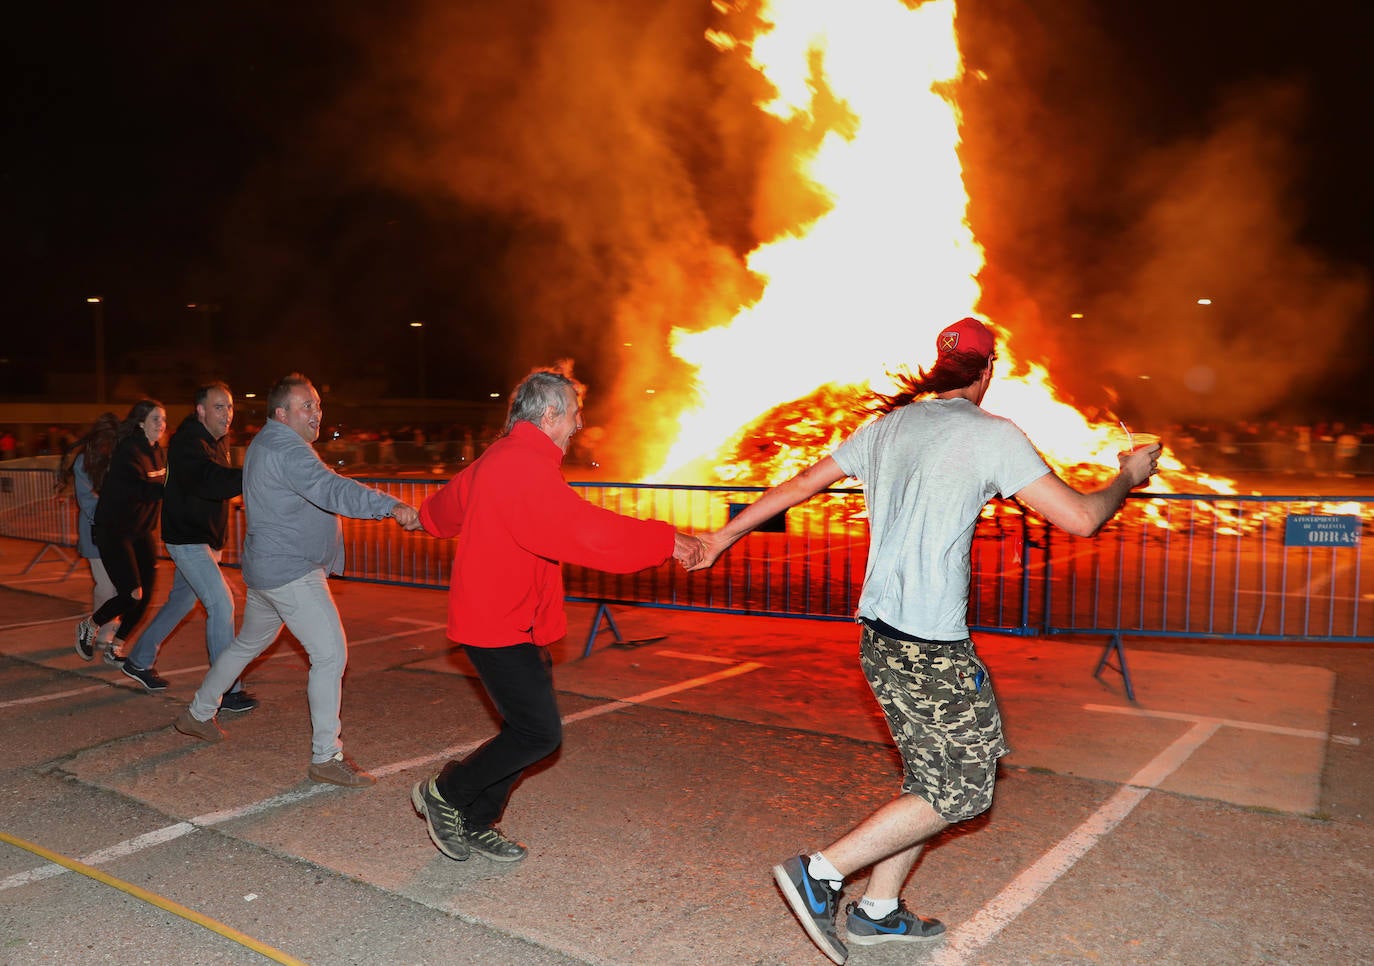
(445,822)
(491,843)
(813,903)
(899,926)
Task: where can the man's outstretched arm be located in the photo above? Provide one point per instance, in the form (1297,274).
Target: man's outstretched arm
(802,487)
(1083,514)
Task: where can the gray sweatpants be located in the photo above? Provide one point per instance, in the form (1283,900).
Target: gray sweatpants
(306,606)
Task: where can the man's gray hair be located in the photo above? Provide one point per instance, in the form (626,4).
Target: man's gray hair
(540,390)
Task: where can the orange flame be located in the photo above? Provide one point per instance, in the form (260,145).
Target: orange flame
(863,290)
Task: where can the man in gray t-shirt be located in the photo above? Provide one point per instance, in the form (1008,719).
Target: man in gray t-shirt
(928,467)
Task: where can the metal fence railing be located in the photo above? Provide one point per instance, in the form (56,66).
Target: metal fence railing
(1177,565)
(31,509)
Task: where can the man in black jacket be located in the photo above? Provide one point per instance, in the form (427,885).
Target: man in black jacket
(195,518)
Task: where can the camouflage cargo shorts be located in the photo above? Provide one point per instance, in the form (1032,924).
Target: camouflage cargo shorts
(939,705)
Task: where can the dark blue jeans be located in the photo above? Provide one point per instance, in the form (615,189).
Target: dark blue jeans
(519,681)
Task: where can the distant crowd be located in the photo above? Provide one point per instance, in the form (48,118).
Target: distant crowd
(1321,448)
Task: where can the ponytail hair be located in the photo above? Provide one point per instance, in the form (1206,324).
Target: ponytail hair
(952,370)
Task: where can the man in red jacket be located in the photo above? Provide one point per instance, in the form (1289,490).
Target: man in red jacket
(518,518)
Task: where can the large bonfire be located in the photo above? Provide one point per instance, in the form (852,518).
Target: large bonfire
(862,290)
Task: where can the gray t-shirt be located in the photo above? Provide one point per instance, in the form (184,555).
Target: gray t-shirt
(927,470)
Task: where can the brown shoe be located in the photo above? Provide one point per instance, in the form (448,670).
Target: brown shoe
(204,730)
(341,770)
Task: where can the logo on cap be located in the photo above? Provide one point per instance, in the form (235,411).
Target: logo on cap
(966,335)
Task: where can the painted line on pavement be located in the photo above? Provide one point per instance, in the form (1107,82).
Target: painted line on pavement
(1201,718)
(53,620)
(55,696)
(101,856)
(178,829)
(1021,892)
(11,581)
(657,693)
(155,899)
(424,627)
(706,658)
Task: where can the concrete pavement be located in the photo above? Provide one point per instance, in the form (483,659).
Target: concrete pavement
(1223,817)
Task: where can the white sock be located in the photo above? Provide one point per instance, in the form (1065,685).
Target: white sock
(819,867)
(876,909)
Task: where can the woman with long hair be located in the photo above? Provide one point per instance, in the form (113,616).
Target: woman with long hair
(82,471)
(126,515)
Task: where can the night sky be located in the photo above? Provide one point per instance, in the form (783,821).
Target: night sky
(321,174)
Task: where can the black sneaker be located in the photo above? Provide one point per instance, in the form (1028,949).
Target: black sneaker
(146,676)
(898,926)
(491,843)
(445,822)
(85,639)
(813,903)
(112,655)
(239,702)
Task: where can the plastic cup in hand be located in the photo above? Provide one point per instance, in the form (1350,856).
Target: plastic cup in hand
(1136,441)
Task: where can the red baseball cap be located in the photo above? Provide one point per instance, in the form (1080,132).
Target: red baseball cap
(966,335)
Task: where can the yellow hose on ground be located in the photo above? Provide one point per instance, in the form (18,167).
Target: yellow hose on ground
(276,955)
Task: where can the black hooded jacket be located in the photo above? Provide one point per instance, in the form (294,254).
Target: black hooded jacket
(133,487)
(200,484)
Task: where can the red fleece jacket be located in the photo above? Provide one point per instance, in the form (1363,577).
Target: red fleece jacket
(516,518)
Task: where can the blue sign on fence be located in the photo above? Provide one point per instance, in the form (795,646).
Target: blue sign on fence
(1314,530)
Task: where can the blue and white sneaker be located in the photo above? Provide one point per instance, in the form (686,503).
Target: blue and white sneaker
(813,903)
(898,926)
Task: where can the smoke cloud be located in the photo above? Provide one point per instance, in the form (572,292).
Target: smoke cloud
(1095,193)
(624,157)
(619,147)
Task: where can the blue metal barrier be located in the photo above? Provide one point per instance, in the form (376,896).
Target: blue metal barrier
(1177,565)
(1199,566)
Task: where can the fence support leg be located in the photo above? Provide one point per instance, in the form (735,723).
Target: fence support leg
(602,610)
(71,561)
(1114,647)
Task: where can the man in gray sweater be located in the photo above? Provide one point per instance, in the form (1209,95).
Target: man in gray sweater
(294,541)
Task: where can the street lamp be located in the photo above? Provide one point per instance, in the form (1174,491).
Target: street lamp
(207,312)
(419,328)
(98,310)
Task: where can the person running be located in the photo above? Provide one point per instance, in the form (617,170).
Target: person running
(195,519)
(517,519)
(294,541)
(928,466)
(82,471)
(125,517)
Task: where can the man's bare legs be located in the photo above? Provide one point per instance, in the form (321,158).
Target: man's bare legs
(891,840)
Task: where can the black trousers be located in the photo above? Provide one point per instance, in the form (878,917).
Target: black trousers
(131,563)
(519,681)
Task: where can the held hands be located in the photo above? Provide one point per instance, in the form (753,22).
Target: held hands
(687,550)
(1141,464)
(714,545)
(406,515)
